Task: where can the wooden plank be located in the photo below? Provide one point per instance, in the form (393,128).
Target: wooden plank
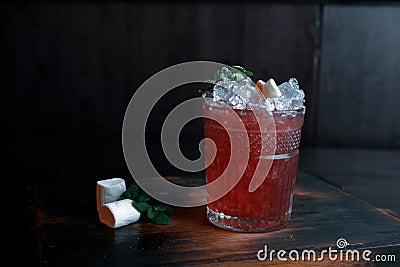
(372,175)
(70,232)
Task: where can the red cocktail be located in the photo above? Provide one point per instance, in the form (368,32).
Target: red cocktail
(269,206)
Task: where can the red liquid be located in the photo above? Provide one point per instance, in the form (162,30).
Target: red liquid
(269,206)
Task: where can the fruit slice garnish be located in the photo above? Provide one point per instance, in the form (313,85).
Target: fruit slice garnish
(259,85)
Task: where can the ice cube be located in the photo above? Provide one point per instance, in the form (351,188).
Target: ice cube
(228,84)
(238,91)
(290,90)
(282,104)
(249,93)
(268,104)
(297,104)
(223,92)
(294,83)
(239,95)
(226,74)
(237,102)
(292,97)
(223,74)
(238,76)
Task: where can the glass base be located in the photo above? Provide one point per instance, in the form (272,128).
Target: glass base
(245,225)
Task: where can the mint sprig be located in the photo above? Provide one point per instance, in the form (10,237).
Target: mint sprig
(234,73)
(243,70)
(149,207)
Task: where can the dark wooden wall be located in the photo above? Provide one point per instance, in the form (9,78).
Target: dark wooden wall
(71,68)
(359,91)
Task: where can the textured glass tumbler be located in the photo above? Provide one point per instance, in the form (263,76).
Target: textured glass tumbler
(269,207)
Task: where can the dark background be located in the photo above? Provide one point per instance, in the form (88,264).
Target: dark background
(70,69)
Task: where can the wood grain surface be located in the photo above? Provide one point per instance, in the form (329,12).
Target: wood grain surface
(70,232)
(372,175)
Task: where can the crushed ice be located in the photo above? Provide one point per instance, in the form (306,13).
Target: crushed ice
(238,91)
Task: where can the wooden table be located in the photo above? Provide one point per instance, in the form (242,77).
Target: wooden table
(70,233)
(371,174)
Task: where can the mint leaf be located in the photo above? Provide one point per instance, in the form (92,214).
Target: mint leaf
(141,206)
(161,218)
(243,70)
(156,211)
(248,73)
(143,197)
(131,192)
(161,207)
(150,213)
(239,68)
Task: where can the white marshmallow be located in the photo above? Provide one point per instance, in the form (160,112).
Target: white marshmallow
(270,89)
(118,213)
(109,190)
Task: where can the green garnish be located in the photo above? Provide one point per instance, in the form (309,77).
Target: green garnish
(243,70)
(153,209)
(234,73)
